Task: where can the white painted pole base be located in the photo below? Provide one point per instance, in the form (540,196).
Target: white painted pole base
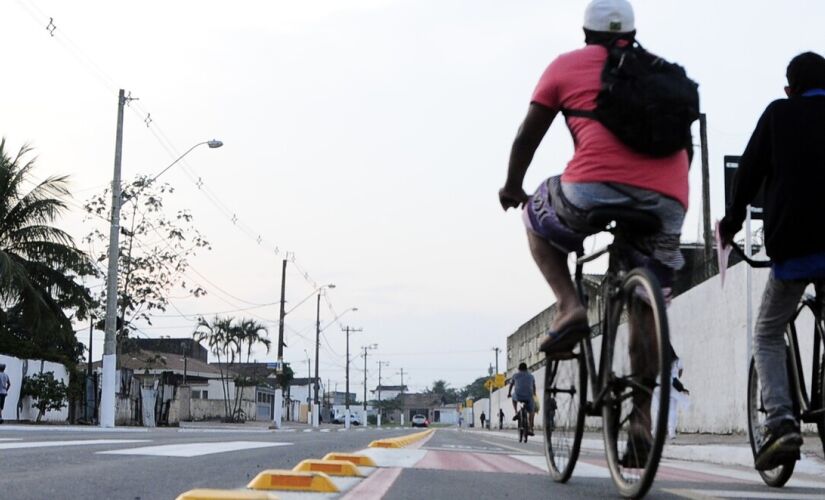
(279,401)
(107,393)
(316,413)
(347,419)
(378,420)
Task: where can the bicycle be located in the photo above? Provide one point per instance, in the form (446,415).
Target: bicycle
(806,410)
(631,365)
(523,422)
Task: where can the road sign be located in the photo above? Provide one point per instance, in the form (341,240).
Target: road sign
(489,384)
(500,381)
(731,164)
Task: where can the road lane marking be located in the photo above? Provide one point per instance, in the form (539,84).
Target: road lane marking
(189,450)
(11,439)
(773,495)
(512,448)
(394,457)
(83,442)
(375,486)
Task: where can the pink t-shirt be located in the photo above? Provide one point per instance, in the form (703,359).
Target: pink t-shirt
(573,81)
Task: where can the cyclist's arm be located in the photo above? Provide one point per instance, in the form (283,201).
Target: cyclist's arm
(753,167)
(510,389)
(529,136)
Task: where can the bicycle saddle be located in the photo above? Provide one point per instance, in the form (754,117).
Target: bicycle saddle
(630,219)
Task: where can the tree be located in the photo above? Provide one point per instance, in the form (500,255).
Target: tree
(47,392)
(446,394)
(227,341)
(154,249)
(476,390)
(39,265)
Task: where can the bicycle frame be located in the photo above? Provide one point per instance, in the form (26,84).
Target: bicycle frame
(598,385)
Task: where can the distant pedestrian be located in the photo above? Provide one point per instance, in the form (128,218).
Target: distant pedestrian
(500,419)
(483,419)
(460,421)
(5,383)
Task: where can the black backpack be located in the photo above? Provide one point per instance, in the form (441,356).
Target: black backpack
(647,102)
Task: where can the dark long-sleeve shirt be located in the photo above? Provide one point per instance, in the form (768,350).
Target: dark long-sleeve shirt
(787,153)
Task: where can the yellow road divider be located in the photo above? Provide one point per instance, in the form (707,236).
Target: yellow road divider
(278,479)
(400,442)
(354,458)
(331,467)
(209,494)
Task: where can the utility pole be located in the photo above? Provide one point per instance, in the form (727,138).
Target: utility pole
(497,350)
(380,364)
(109,362)
(703,134)
(490,401)
(366,348)
(316,415)
(346,395)
(402,396)
(279,392)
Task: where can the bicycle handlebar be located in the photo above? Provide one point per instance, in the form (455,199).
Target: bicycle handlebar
(753,263)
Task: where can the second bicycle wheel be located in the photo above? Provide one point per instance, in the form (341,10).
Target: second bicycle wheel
(635,370)
(563,412)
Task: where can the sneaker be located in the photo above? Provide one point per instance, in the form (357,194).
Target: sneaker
(636,452)
(530,433)
(780,444)
(515,417)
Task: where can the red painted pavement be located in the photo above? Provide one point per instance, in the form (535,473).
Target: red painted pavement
(375,486)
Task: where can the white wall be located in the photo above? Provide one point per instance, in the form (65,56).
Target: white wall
(708,332)
(14,369)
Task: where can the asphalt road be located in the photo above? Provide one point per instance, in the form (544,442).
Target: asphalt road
(451,464)
(62,465)
(478,465)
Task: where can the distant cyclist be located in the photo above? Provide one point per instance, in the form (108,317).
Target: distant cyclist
(604,171)
(523,390)
(786,153)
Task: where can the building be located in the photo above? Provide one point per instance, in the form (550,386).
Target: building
(384,392)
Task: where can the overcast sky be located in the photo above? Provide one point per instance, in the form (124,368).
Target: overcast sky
(369,137)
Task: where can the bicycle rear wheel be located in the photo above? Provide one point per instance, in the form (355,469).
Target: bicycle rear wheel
(777,476)
(563,410)
(636,362)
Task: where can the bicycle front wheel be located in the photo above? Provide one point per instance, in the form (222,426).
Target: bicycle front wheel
(563,412)
(779,475)
(635,371)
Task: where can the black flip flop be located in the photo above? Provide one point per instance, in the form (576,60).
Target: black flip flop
(561,342)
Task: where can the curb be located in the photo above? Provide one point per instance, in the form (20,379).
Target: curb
(311,475)
(400,442)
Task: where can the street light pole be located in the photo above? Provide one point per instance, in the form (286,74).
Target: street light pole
(346,394)
(279,391)
(109,361)
(366,348)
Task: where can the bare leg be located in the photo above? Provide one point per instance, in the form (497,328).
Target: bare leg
(552,263)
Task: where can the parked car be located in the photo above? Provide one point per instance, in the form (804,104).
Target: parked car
(340,418)
(420,421)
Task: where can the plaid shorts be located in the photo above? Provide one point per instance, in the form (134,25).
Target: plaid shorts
(557,213)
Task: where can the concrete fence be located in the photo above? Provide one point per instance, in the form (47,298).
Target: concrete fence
(17,369)
(708,328)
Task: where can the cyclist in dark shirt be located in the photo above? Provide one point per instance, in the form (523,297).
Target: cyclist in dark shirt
(786,153)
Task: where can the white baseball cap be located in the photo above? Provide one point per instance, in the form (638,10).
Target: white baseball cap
(615,16)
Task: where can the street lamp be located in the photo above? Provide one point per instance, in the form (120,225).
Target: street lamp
(109,361)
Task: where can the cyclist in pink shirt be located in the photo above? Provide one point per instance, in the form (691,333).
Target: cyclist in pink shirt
(603,172)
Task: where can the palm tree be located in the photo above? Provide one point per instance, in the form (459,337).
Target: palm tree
(39,263)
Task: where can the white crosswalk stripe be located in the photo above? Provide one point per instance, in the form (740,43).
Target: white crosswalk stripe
(193,449)
(81,442)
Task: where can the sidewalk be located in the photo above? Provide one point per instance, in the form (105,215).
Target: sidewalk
(733,449)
